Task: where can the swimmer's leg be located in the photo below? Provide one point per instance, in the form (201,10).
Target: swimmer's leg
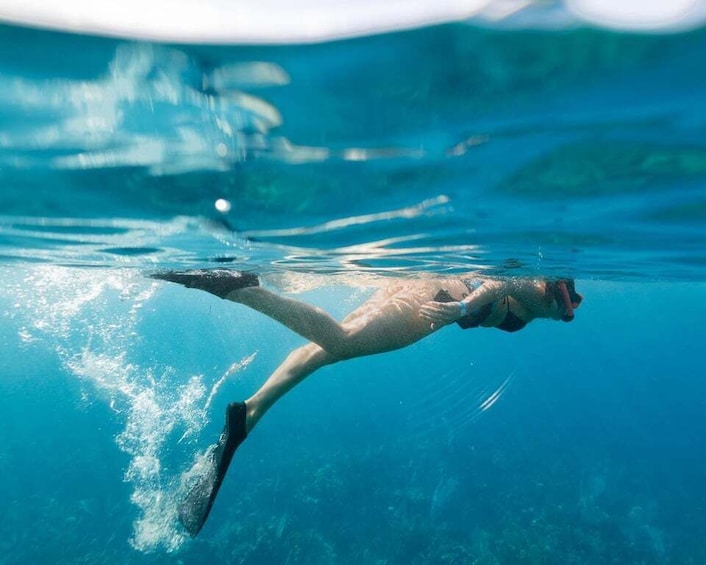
(308,321)
(298,365)
(241,417)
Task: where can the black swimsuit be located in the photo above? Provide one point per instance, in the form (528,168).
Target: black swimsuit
(511,322)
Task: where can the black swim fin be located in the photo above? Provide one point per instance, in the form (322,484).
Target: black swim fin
(220,282)
(197,504)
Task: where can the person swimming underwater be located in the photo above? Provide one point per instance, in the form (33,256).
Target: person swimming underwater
(396,316)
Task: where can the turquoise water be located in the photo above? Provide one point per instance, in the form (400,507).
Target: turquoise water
(330,168)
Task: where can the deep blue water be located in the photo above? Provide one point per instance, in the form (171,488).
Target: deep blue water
(328,168)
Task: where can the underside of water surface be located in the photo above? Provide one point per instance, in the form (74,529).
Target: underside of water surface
(573,151)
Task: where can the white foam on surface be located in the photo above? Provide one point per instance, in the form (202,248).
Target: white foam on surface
(279,21)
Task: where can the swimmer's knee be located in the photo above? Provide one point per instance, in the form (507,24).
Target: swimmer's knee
(313,353)
(343,347)
(339,351)
(245,295)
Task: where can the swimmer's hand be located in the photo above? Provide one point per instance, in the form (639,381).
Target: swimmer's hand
(440,314)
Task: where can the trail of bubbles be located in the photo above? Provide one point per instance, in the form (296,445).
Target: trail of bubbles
(90,319)
(234,368)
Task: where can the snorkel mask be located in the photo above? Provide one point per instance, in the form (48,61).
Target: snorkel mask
(566,296)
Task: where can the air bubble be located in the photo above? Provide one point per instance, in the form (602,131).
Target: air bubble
(222,205)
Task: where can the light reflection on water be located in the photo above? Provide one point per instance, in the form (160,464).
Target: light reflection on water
(323,159)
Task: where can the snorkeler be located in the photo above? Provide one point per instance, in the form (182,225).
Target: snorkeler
(394,317)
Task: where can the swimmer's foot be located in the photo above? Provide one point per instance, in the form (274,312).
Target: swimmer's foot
(196,506)
(220,282)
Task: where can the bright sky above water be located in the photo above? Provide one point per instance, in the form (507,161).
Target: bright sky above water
(275,21)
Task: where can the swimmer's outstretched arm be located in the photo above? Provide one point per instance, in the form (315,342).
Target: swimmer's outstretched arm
(442,313)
